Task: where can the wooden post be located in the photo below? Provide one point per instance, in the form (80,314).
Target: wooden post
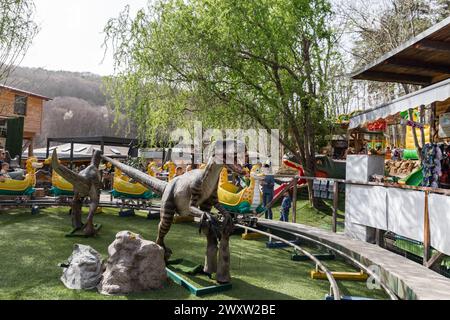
(47,153)
(379,237)
(422,121)
(433,122)
(335,205)
(102,146)
(71,155)
(294,201)
(31,148)
(426,232)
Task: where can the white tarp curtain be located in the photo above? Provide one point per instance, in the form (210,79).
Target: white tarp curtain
(406,213)
(400,211)
(437,92)
(358,201)
(439,208)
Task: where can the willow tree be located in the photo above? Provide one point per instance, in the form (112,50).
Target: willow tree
(17,30)
(264,63)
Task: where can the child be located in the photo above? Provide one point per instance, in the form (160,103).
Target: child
(4,172)
(179,172)
(285,206)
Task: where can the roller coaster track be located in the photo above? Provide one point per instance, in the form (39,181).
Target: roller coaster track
(319,264)
(330,277)
(49,202)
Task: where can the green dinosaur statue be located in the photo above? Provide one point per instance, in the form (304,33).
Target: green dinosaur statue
(195,193)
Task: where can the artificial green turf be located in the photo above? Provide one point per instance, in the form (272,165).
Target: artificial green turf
(33,246)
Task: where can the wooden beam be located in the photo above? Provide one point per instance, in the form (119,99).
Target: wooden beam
(280,194)
(419,65)
(437,258)
(433,45)
(395,77)
(335,205)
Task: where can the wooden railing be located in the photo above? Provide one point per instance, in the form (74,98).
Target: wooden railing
(294,184)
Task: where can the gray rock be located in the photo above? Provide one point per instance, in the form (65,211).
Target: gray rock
(84,268)
(134,265)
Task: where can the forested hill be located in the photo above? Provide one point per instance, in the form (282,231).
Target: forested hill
(86,86)
(79,106)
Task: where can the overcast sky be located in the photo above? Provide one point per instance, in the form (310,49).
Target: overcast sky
(71,34)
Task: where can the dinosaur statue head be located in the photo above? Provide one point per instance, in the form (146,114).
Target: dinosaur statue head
(96,158)
(231,153)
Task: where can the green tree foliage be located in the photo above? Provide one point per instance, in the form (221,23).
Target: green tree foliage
(17,30)
(228,63)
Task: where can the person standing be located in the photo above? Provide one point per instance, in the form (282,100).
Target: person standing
(268,185)
(285,207)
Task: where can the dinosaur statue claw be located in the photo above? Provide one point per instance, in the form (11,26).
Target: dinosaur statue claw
(167,253)
(210,222)
(227,225)
(222,282)
(89,229)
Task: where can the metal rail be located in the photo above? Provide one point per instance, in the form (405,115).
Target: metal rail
(319,264)
(20,203)
(355,262)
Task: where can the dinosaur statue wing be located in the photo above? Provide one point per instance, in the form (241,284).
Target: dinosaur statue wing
(79,183)
(150,182)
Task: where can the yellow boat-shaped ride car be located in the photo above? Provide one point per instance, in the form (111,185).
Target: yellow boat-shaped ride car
(60,186)
(245,201)
(12,187)
(124,188)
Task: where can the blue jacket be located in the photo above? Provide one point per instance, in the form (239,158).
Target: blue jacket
(269,184)
(286,204)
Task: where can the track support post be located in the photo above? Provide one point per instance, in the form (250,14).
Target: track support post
(426,232)
(294,201)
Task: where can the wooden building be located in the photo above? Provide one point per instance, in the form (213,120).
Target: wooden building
(20,119)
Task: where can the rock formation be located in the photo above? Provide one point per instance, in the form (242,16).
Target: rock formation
(83,269)
(133,265)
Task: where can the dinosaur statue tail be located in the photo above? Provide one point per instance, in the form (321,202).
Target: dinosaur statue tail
(150,182)
(79,183)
